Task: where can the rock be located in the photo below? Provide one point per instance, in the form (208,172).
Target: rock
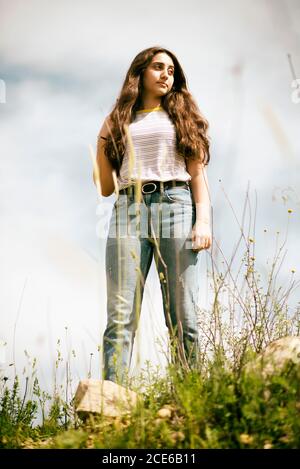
(164,413)
(103,397)
(276,356)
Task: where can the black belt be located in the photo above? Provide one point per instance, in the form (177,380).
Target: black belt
(154,186)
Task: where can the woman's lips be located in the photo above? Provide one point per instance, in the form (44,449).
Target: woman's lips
(162,84)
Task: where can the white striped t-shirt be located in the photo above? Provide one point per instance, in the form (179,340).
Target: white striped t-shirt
(155,156)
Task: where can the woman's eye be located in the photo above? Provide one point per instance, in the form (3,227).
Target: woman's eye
(170,71)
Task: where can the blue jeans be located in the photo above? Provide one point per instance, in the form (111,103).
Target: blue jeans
(160,224)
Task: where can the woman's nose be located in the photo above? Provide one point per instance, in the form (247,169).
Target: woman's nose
(164,73)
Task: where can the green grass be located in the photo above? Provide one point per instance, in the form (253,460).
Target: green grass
(215,409)
(218,406)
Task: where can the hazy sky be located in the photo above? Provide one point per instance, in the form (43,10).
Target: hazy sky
(63,63)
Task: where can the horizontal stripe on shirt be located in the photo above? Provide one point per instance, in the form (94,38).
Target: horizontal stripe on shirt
(155,155)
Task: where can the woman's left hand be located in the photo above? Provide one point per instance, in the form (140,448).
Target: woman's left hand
(201,236)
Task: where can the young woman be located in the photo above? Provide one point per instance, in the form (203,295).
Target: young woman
(152,151)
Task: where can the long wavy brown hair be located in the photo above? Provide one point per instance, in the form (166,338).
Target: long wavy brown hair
(190,125)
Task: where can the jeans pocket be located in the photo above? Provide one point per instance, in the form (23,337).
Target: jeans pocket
(179,194)
(121,201)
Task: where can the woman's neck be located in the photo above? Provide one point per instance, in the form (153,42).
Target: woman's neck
(151,103)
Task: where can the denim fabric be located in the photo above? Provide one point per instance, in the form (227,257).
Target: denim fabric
(159,225)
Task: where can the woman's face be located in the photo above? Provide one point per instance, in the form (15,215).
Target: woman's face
(159,75)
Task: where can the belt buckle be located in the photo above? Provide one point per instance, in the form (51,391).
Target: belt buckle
(149,183)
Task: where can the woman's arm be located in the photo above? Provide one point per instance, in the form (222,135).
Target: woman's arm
(104,167)
(201,235)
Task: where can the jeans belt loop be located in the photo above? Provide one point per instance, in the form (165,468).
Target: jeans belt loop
(130,191)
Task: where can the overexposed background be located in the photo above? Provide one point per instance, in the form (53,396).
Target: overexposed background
(63,64)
